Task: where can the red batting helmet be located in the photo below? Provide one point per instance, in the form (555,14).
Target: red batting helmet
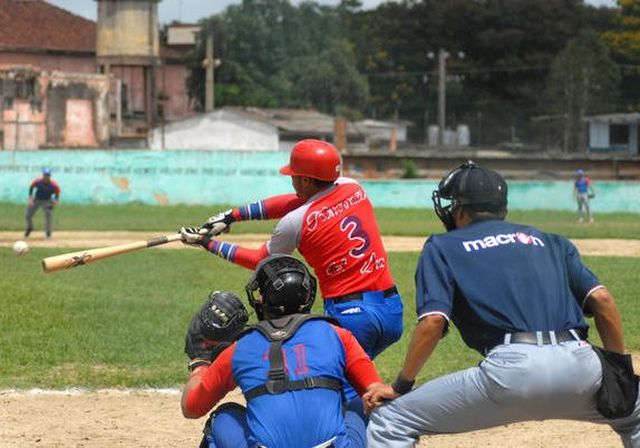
(313,158)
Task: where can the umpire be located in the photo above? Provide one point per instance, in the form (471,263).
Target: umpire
(517,295)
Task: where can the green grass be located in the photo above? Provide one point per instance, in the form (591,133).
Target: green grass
(121,322)
(406,222)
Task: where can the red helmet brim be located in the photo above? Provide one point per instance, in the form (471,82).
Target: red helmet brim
(287,171)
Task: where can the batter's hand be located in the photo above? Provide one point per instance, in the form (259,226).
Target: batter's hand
(194,237)
(218,223)
(377,394)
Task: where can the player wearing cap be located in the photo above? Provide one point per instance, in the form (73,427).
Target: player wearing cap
(517,295)
(43,192)
(583,192)
(331,222)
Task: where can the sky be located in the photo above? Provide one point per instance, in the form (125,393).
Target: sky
(190,11)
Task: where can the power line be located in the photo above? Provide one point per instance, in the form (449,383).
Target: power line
(474,71)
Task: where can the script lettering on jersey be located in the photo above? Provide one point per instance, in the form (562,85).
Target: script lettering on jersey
(336,210)
(501,239)
(373,264)
(336,266)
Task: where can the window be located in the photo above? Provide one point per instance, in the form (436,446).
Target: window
(619,134)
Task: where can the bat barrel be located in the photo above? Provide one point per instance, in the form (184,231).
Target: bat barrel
(73,259)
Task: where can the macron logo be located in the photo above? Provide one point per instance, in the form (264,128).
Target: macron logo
(501,239)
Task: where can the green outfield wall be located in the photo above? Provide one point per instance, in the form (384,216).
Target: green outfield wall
(231,177)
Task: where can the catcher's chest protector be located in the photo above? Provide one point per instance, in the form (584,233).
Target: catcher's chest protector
(278,331)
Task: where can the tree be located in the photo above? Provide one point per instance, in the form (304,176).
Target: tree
(624,41)
(279,55)
(583,81)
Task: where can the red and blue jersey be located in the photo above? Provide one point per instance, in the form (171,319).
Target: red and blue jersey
(336,231)
(298,418)
(340,239)
(494,277)
(45,191)
(583,184)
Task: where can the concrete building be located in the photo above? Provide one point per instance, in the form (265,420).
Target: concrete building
(53,109)
(44,38)
(266,129)
(223,129)
(614,133)
(381,130)
(128,45)
(383,135)
(297,124)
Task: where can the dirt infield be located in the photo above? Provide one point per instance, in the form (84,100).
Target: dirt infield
(87,239)
(151,418)
(117,419)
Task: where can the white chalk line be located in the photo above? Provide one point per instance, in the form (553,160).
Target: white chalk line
(78,391)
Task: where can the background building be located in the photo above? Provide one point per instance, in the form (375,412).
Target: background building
(38,37)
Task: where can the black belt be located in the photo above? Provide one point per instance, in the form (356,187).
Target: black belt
(532,338)
(357,296)
(278,387)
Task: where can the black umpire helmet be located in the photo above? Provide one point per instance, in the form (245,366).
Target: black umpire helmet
(286,287)
(472,187)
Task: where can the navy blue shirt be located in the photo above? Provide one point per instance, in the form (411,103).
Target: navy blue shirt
(494,277)
(45,191)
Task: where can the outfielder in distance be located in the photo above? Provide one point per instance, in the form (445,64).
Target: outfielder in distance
(291,367)
(517,295)
(331,221)
(47,195)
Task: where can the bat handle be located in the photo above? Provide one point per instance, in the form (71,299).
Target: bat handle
(163,240)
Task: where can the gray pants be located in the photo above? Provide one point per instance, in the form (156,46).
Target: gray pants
(515,382)
(584,211)
(47,206)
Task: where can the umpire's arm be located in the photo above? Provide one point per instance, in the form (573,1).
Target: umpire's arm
(607,319)
(423,341)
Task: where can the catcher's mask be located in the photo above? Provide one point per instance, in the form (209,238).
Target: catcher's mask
(286,287)
(473,187)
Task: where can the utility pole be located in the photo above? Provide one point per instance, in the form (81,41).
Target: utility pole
(209,63)
(442,94)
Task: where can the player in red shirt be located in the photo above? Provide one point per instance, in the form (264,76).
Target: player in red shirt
(331,222)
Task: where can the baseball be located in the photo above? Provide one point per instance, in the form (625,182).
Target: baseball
(20,248)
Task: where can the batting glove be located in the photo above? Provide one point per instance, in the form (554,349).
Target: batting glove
(194,237)
(218,223)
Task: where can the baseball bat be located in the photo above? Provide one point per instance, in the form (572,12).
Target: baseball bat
(73,259)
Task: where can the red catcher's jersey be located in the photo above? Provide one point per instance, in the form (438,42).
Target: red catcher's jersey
(341,241)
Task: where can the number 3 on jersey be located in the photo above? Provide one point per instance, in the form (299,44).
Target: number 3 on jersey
(355,232)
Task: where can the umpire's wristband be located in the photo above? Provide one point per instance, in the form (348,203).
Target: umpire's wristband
(402,385)
(198,362)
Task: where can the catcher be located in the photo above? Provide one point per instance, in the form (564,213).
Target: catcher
(291,366)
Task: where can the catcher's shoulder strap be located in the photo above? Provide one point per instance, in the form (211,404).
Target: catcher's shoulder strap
(278,331)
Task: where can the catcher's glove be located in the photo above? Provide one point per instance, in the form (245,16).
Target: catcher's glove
(213,328)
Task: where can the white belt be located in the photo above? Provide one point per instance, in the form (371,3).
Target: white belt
(326,444)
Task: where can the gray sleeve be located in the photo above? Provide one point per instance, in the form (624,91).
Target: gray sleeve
(286,235)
